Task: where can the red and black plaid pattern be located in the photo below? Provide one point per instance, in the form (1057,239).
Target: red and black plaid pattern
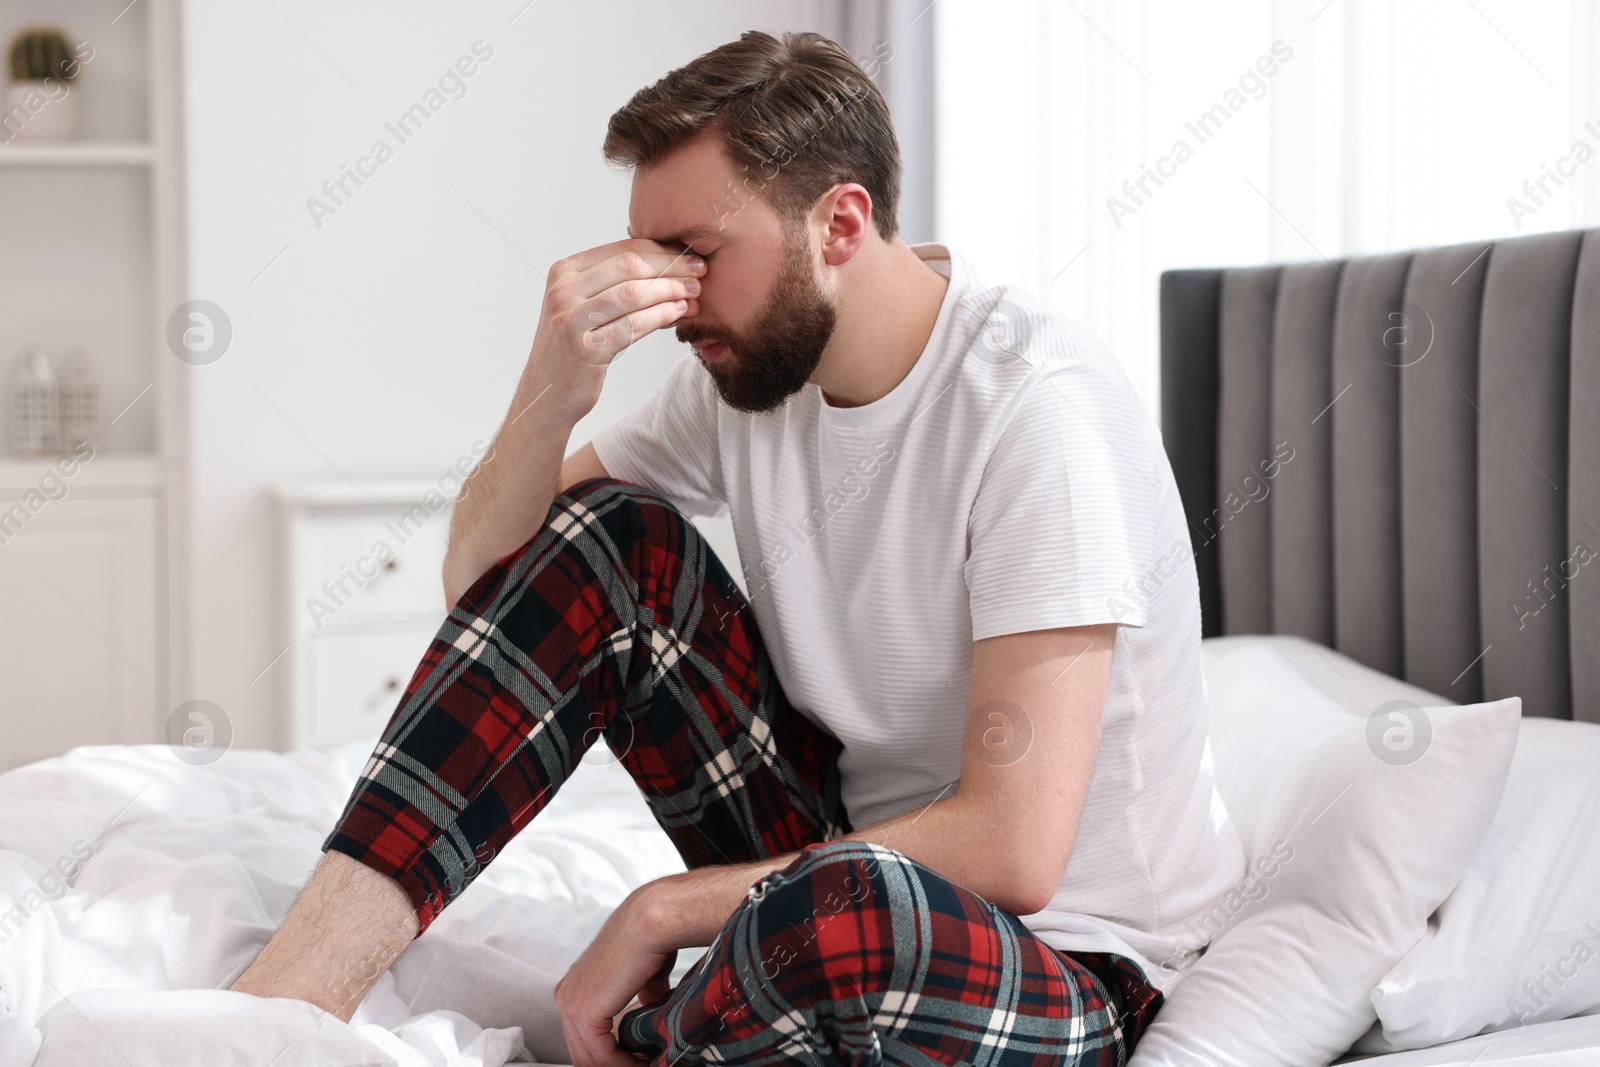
(618,621)
(615,620)
(856,954)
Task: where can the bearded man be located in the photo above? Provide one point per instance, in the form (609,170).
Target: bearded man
(938,772)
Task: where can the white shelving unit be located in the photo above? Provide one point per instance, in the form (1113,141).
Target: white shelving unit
(91,261)
(78,154)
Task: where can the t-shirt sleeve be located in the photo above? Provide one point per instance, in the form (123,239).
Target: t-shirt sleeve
(669,442)
(1063,525)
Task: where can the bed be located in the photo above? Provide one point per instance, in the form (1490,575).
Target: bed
(1395,460)
(190,867)
(1439,410)
(1442,409)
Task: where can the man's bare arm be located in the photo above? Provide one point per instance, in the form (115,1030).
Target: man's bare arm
(1034,709)
(506,498)
(596,304)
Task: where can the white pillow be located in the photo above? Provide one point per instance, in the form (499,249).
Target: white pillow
(1363,838)
(1352,685)
(1518,940)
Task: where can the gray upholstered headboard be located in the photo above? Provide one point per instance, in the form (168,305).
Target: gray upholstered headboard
(1398,456)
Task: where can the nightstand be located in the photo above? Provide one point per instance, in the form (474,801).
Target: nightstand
(362,597)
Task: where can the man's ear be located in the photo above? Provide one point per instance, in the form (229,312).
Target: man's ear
(846,212)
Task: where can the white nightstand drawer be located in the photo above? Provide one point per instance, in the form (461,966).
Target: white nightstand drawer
(358,675)
(359,564)
(362,597)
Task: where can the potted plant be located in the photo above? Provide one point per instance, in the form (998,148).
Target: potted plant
(39,102)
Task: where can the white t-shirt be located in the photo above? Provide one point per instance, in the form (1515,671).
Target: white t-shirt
(1010,482)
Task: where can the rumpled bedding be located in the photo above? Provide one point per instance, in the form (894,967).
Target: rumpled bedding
(135,887)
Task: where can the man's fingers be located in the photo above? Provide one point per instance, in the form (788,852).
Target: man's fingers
(658,986)
(597,1048)
(636,294)
(657,259)
(626,269)
(615,1057)
(581,261)
(654,992)
(604,340)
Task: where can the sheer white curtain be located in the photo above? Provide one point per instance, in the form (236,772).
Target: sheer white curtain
(1084,146)
(894,42)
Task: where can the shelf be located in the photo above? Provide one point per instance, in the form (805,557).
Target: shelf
(106,471)
(77,154)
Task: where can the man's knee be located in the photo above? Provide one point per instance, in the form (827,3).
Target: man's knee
(842,858)
(592,490)
(573,512)
(830,879)
(808,916)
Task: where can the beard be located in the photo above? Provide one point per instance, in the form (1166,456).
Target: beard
(768,362)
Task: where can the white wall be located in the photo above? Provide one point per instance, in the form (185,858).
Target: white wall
(388,340)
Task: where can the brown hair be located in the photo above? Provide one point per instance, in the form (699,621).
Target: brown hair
(797,115)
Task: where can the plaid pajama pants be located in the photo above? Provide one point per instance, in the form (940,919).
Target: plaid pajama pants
(617,620)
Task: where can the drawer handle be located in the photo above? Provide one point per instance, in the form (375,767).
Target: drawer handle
(390,684)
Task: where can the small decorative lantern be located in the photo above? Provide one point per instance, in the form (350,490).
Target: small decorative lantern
(34,412)
(78,405)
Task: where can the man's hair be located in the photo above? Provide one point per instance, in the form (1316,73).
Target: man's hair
(796,114)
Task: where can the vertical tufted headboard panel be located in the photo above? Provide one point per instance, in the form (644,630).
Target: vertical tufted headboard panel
(1398,456)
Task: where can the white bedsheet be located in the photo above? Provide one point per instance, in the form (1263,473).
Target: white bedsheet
(1560,1043)
(191,869)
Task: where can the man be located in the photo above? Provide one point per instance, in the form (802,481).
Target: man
(965,561)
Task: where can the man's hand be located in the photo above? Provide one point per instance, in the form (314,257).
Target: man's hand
(596,303)
(625,959)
